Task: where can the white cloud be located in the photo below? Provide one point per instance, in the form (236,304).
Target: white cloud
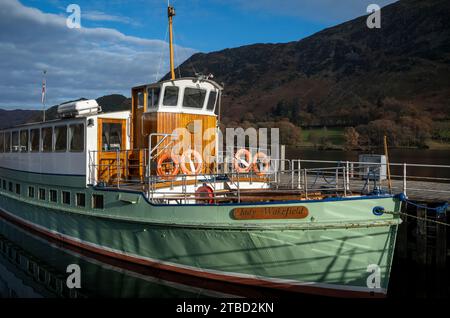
(102,16)
(86,62)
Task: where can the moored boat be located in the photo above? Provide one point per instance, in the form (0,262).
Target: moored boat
(140,186)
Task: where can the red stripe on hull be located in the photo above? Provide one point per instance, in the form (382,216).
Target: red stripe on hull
(314,290)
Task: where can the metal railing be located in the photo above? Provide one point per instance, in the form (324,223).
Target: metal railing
(305,178)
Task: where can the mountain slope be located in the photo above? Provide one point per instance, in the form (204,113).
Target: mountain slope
(342,75)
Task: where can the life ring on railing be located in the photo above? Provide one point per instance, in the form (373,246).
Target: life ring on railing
(261,159)
(188,166)
(162,161)
(243,165)
(204,195)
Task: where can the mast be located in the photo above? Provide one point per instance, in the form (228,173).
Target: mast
(171,14)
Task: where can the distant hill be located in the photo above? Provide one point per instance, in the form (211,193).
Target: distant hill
(10,118)
(109,104)
(343,75)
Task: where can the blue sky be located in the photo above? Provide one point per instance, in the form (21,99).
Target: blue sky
(121,43)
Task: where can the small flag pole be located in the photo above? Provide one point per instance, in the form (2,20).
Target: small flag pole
(44,88)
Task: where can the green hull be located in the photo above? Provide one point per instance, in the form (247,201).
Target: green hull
(331,253)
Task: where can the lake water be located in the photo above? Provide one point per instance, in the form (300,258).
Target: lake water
(410,156)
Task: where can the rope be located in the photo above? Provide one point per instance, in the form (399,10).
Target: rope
(417,217)
(161,57)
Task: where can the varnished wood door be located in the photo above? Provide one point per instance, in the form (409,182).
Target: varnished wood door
(112,150)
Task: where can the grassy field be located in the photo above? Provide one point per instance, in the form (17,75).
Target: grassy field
(334,135)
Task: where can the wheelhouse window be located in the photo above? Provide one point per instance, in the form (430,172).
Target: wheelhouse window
(153,97)
(211,100)
(194,97)
(60,138)
(76,137)
(140,99)
(111,137)
(171,96)
(2,142)
(47,139)
(15,141)
(24,140)
(35,136)
(8,141)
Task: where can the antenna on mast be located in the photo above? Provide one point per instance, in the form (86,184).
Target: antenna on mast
(171,14)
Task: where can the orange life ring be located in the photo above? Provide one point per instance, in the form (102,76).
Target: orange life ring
(195,167)
(241,165)
(264,160)
(205,192)
(165,157)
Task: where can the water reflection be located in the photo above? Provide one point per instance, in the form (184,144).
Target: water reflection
(33,267)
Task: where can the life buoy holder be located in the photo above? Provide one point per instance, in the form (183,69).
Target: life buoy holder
(204,195)
(188,166)
(261,159)
(162,161)
(243,165)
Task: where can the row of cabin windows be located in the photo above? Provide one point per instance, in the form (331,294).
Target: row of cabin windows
(66,196)
(192,98)
(48,139)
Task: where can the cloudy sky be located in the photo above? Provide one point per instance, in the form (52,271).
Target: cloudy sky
(122,42)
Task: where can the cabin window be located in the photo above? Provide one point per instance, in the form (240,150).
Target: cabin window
(81,200)
(8,142)
(42,194)
(211,100)
(60,138)
(194,97)
(111,137)
(97,201)
(140,99)
(76,138)
(53,196)
(47,139)
(4,185)
(171,96)
(15,141)
(31,192)
(10,186)
(24,140)
(66,197)
(18,189)
(35,136)
(2,142)
(153,97)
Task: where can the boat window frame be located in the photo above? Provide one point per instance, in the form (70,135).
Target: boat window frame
(2,142)
(196,88)
(43,141)
(164,96)
(153,106)
(7,144)
(31,146)
(83,139)
(55,140)
(27,141)
(53,195)
(17,134)
(212,91)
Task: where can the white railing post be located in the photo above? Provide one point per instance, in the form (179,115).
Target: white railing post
(404,179)
(347,176)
